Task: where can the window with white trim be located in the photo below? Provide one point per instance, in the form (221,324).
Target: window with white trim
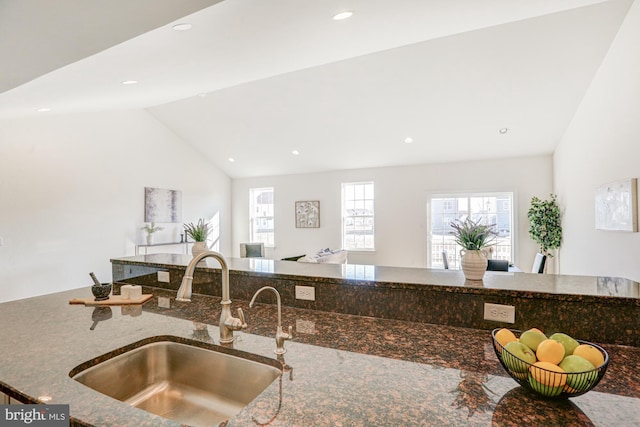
(488,208)
(261,218)
(358,216)
(213,239)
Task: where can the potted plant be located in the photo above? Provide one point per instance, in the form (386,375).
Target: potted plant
(474,237)
(150,229)
(199,233)
(544,224)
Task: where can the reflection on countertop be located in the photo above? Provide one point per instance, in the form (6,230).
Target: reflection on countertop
(344,370)
(408,277)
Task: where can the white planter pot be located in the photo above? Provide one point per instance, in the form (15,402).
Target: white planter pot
(149,239)
(198,248)
(474,264)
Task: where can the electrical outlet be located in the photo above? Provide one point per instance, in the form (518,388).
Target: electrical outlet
(164,302)
(306,293)
(163,276)
(500,313)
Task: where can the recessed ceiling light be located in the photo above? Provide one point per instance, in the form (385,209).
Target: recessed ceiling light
(231,159)
(43,110)
(129,82)
(202,95)
(408,140)
(295,152)
(343,15)
(504,130)
(182,27)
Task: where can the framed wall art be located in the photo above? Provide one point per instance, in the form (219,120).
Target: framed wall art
(308,214)
(162,205)
(617,206)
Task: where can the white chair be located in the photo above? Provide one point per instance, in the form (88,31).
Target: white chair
(538,263)
(252,250)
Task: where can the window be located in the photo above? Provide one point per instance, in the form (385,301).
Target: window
(488,208)
(213,240)
(357,216)
(261,221)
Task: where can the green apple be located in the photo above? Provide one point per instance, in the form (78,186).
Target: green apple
(581,373)
(532,338)
(515,356)
(569,343)
(544,390)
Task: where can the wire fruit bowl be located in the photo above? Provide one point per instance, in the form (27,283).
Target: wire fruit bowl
(545,382)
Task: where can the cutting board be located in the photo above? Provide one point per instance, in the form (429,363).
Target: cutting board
(113,300)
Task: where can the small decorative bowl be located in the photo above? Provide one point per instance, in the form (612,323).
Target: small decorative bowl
(101,291)
(573,383)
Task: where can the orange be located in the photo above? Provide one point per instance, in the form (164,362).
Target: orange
(548,374)
(536,330)
(590,353)
(504,335)
(551,351)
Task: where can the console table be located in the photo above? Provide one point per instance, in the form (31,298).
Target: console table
(185,244)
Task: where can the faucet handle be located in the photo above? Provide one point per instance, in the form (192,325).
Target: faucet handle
(236,323)
(281,337)
(241,317)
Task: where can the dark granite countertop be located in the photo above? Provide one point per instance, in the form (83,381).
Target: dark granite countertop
(586,288)
(346,370)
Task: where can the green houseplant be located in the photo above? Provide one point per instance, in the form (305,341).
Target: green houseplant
(545,228)
(199,233)
(474,237)
(150,229)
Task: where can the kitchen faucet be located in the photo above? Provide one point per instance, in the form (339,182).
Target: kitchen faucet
(280,336)
(228,323)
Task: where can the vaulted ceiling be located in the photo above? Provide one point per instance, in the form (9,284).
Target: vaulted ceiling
(254,80)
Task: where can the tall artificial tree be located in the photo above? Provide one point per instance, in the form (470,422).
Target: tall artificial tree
(545,227)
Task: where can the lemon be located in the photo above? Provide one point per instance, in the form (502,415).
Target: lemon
(548,374)
(504,335)
(551,351)
(590,353)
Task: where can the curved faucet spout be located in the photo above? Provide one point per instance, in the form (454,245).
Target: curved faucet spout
(184,293)
(277,300)
(280,336)
(228,323)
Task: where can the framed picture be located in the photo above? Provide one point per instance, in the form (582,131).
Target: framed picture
(308,214)
(617,206)
(162,205)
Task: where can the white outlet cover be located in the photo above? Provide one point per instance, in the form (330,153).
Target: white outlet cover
(307,293)
(163,276)
(500,313)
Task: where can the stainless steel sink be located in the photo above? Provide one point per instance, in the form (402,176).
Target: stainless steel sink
(181,381)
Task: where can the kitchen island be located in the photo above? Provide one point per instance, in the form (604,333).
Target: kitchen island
(600,309)
(341,370)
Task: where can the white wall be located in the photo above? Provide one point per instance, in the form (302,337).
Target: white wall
(401,196)
(601,145)
(72,195)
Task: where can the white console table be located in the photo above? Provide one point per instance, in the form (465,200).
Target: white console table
(185,244)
